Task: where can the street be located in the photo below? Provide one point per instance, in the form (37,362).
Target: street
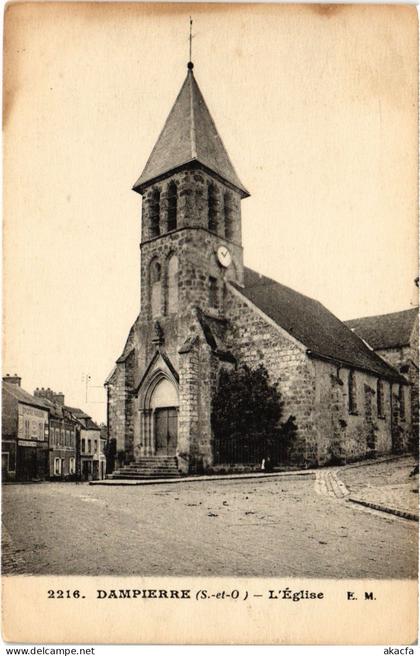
(253,527)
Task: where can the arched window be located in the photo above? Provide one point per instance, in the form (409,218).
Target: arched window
(172,205)
(172,284)
(211,208)
(380,401)
(156,287)
(352,393)
(228,211)
(154,213)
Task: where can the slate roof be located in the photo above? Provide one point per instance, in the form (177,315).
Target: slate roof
(189,135)
(386,330)
(84,418)
(323,334)
(55,409)
(91,425)
(77,412)
(213,329)
(23,396)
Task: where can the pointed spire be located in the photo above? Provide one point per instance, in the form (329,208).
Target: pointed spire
(189,135)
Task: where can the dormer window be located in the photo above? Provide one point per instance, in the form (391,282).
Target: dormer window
(172,206)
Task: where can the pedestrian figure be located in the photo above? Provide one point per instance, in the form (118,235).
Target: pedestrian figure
(266,465)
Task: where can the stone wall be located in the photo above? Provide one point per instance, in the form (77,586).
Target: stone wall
(406,360)
(255,341)
(194,241)
(196,251)
(343,434)
(188,418)
(198,368)
(316,393)
(9,425)
(117,394)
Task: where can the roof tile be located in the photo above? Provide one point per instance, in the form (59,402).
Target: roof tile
(386,330)
(23,396)
(312,324)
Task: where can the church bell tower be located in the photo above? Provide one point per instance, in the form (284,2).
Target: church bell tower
(160,392)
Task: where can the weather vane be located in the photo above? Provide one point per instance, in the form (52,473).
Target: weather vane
(190,39)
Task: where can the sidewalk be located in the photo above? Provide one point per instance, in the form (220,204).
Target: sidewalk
(385,485)
(309,473)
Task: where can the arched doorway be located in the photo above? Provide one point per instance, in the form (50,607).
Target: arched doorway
(164,405)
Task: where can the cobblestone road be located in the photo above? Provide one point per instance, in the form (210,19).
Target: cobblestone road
(327,483)
(265,527)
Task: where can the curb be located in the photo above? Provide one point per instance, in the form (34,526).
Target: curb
(374,461)
(385,509)
(198,479)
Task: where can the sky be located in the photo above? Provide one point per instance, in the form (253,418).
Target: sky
(316,105)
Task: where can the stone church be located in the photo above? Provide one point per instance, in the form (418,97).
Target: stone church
(202,310)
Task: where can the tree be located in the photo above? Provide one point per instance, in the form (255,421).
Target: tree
(246,415)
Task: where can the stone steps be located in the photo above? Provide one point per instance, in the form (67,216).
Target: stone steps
(160,460)
(149,467)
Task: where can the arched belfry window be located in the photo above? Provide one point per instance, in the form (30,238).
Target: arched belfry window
(211,208)
(172,284)
(172,206)
(156,287)
(228,211)
(154,213)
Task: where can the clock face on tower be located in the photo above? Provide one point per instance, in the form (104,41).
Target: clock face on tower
(224,256)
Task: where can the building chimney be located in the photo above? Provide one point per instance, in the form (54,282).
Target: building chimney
(13,380)
(50,395)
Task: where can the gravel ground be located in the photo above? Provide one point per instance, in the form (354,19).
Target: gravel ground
(271,527)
